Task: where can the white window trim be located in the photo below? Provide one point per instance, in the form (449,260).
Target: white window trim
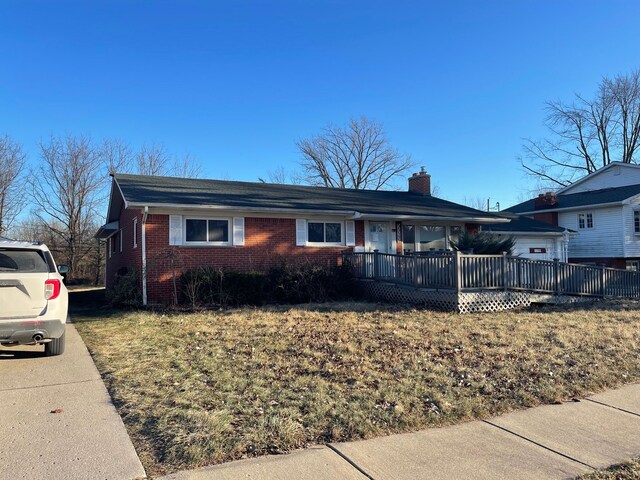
(228,243)
(341,243)
(586,221)
(135,232)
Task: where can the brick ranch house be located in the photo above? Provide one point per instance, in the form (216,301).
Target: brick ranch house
(157,225)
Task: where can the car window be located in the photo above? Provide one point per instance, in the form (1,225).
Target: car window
(23,261)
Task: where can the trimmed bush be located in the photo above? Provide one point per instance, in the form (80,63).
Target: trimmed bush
(286,283)
(125,291)
(484,243)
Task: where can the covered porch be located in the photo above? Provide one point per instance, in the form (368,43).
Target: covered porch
(409,236)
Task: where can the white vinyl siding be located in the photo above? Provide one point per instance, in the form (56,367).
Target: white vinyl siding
(603,240)
(630,236)
(616,176)
(550,244)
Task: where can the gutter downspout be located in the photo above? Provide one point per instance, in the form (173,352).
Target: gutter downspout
(145,213)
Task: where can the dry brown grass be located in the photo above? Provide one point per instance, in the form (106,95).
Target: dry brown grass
(623,471)
(204,388)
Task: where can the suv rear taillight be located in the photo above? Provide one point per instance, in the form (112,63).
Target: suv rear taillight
(51,289)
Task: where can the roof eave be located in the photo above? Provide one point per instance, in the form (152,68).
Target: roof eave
(580,207)
(349,213)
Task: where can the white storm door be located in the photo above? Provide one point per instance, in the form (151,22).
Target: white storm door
(379,237)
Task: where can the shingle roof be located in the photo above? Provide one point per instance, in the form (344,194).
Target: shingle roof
(153,190)
(523,224)
(593,197)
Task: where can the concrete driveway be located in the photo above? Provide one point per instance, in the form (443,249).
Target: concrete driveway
(58,421)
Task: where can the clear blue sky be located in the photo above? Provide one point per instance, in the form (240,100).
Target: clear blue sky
(235,84)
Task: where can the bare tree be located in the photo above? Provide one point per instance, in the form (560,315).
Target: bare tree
(281,176)
(588,133)
(117,155)
(153,160)
(357,155)
(66,189)
(186,167)
(12,161)
(477,202)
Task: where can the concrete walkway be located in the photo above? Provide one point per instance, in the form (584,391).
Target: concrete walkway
(548,442)
(86,439)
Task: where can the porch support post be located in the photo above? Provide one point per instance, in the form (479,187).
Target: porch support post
(376,264)
(504,271)
(457,263)
(556,276)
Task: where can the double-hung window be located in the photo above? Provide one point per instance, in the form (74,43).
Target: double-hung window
(324,233)
(636,221)
(207,231)
(585,220)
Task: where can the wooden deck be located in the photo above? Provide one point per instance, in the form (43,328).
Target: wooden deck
(466,274)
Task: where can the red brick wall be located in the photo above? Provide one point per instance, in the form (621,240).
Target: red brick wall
(611,262)
(267,242)
(549,217)
(130,257)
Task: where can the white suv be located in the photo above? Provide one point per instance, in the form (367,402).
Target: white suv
(33,298)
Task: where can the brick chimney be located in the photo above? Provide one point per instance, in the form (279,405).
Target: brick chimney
(545,200)
(420,183)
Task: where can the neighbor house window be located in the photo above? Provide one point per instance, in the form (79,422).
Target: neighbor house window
(636,221)
(329,233)
(585,220)
(120,238)
(207,231)
(135,233)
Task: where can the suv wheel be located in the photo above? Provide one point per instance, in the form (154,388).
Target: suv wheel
(54,347)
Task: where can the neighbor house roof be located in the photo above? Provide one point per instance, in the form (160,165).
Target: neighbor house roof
(582,199)
(142,190)
(525,225)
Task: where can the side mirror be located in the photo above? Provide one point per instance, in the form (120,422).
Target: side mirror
(63,269)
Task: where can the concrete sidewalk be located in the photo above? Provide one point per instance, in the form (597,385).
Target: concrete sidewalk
(548,442)
(85,440)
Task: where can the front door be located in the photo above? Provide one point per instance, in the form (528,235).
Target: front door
(379,237)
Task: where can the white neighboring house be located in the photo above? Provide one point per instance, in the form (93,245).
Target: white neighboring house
(534,239)
(603,209)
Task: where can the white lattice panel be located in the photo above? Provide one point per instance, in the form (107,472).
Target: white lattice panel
(466,302)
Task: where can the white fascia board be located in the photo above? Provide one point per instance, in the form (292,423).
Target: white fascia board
(436,218)
(529,234)
(124,200)
(290,212)
(569,209)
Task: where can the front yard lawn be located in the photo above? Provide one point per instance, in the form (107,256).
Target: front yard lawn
(203,388)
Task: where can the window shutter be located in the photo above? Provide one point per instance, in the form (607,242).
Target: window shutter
(238,230)
(301,232)
(175,229)
(350,233)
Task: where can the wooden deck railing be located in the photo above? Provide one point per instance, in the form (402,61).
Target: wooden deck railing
(460,272)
